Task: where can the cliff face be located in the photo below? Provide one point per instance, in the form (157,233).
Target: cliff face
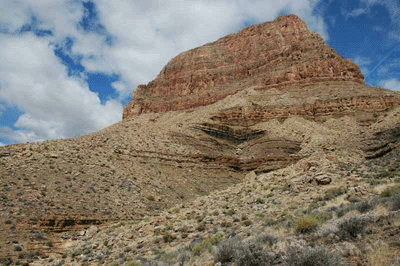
(272,54)
(235,86)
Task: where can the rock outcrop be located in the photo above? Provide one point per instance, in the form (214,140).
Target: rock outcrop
(272,54)
(267,72)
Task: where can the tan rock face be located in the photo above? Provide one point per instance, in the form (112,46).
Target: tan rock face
(272,54)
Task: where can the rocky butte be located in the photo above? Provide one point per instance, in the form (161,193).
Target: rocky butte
(274,95)
(271,71)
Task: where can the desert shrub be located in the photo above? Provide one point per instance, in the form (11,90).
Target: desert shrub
(395,202)
(168,257)
(226,250)
(168,237)
(342,210)
(150,197)
(319,256)
(334,192)
(267,238)
(230,212)
(247,222)
(321,217)
(201,247)
(306,224)
(217,238)
(148,263)
(133,263)
(226,224)
(353,226)
(362,206)
(6,261)
(391,191)
(201,227)
(252,254)
(260,201)
(207,244)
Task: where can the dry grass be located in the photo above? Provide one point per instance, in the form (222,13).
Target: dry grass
(384,256)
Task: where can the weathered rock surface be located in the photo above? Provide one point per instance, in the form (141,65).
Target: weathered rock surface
(272,54)
(271,71)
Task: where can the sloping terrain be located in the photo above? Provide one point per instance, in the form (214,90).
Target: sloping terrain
(336,205)
(215,131)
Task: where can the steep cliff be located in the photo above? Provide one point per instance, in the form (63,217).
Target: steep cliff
(271,54)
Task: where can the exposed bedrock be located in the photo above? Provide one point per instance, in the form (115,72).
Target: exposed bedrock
(271,54)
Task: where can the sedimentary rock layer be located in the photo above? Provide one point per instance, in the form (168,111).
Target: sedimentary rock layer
(271,54)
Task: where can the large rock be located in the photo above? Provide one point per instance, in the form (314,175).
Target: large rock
(272,54)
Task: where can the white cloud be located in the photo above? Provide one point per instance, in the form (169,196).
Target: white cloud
(363,63)
(390,84)
(54,104)
(358,12)
(146,35)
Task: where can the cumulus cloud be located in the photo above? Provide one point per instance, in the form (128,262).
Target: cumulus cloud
(391,84)
(392,7)
(147,34)
(363,63)
(131,39)
(55,105)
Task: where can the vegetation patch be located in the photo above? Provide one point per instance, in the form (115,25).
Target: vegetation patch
(333,193)
(350,228)
(319,256)
(306,224)
(389,192)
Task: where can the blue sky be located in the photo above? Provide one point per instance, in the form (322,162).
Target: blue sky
(67,67)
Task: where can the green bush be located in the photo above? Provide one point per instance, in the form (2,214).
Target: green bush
(319,256)
(201,247)
(215,213)
(168,237)
(321,217)
(207,244)
(230,212)
(391,191)
(334,192)
(150,197)
(306,224)
(133,263)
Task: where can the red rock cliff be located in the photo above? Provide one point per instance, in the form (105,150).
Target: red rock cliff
(271,54)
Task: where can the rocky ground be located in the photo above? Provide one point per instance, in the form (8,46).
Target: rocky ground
(321,207)
(262,148)
(114,197)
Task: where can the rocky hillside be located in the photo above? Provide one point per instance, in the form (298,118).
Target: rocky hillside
(273,103)
(272,54)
